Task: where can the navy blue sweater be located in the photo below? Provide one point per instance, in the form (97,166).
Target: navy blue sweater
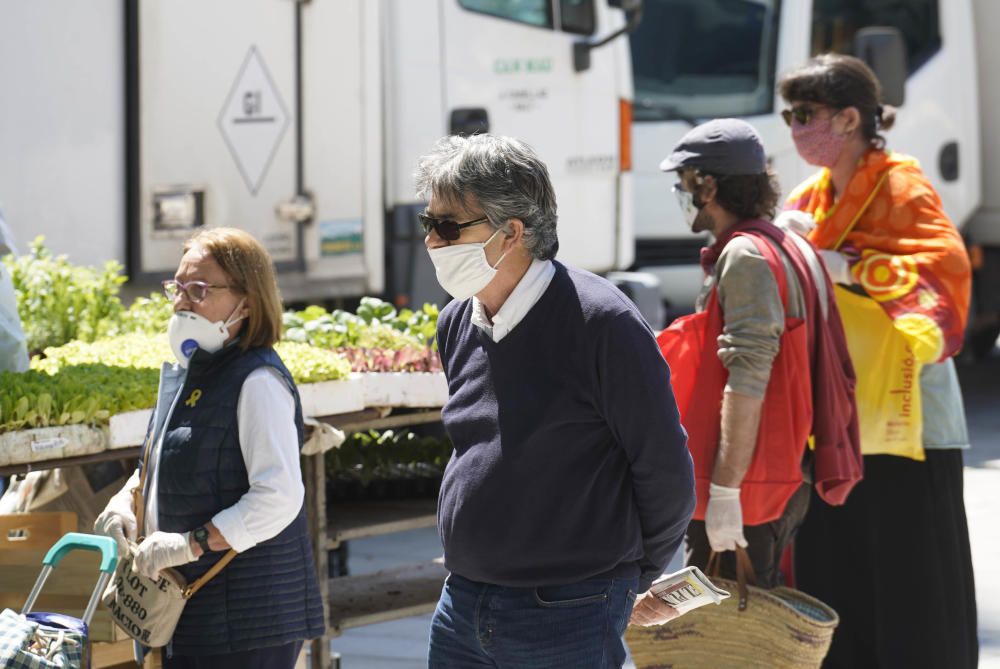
(570,461)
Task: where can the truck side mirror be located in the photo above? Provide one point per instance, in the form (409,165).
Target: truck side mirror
(883,49)
(582,48)
(468,121)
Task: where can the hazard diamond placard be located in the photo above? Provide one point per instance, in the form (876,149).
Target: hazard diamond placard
(253,120)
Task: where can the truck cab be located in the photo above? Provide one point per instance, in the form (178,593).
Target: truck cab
(695,60)
(509,68)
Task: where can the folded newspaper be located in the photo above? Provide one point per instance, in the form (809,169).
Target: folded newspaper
(687,589)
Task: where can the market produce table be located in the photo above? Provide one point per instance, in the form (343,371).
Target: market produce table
(359,403)
(83,407)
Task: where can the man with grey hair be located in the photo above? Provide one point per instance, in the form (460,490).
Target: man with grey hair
(571,486)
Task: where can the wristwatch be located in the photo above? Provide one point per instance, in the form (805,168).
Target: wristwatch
(200,535)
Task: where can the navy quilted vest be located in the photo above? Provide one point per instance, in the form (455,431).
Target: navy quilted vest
(268,595)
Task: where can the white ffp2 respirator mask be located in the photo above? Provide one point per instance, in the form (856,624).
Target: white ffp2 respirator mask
(187,332)
(462,269)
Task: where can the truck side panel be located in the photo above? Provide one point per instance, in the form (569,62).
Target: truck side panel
(342,149)
(61,143)
(984,228)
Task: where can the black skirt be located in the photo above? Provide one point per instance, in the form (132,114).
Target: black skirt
(895,563)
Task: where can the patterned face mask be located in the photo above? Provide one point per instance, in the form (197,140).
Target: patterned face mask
(817,142)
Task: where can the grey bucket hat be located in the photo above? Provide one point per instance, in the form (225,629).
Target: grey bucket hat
(723,146)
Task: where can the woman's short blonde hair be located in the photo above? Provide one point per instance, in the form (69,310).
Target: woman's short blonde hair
(251,272)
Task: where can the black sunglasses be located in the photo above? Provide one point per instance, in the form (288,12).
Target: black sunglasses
(802,114)
(446,229)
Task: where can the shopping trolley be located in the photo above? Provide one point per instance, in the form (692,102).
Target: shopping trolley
(53,640)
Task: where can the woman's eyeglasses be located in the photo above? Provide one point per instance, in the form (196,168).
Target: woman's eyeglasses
(196,291)
(446,229)
(801,114)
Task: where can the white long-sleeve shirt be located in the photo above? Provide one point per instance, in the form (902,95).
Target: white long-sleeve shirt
(525,295)
(269,443)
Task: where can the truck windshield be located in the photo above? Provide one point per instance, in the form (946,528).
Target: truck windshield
(695,59)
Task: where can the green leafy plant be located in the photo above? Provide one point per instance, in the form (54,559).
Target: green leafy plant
(148,315)
(135,350)
(372,454)
(377,338)
(377,324)
(309,364)
(59,302)
(421,324)
(75,394)
(88,382)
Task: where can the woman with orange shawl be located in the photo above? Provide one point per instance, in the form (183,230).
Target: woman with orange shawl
(894,561)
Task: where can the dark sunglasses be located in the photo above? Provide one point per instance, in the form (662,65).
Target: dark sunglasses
(802,114)
(446,229)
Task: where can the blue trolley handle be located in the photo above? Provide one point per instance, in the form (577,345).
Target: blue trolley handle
(106,546)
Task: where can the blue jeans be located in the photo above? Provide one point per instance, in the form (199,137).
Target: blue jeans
(577,626)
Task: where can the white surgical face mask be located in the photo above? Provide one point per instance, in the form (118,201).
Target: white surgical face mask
(686,200)
(187,332)
(462,269)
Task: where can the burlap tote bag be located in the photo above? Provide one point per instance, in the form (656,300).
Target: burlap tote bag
(148,610)
(761,629)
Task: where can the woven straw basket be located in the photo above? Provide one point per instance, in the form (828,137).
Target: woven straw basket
(779,628)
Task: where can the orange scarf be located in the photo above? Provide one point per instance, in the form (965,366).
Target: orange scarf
(908,255)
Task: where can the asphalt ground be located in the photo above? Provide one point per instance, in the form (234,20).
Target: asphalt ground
(981,389)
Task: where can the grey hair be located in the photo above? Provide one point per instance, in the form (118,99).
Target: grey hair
(506,178)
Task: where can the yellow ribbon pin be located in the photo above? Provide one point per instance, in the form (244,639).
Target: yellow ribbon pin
(193,398)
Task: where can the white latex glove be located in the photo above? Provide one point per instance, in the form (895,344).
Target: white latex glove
(796,221)
(837,267)
(118,520)
(724,519)
(161,550)
(323,438)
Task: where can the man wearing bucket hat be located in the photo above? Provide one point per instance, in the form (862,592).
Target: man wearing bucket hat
(747,400)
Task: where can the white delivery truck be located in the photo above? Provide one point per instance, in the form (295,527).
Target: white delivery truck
(983,230)
(125,125)
(699,59)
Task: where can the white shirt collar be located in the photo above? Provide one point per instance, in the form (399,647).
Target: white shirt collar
(525,295)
